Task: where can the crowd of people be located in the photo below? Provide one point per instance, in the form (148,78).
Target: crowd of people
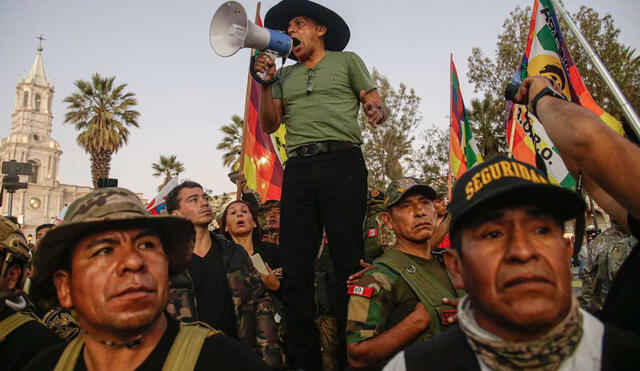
(335,276)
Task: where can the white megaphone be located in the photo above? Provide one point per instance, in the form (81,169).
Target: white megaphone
(231,31)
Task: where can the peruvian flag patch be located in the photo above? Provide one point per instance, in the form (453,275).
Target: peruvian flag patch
(445,314)
(366,292)
(373,232)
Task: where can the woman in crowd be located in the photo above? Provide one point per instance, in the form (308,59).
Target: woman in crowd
(240,224)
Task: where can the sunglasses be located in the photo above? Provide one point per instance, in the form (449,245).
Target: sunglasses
(311,80)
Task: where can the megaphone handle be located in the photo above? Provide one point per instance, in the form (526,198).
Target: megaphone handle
(271,54)
(259,76)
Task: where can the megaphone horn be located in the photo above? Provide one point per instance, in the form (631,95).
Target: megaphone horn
(231,31)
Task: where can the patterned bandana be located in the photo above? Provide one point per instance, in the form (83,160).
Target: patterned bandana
(545,353)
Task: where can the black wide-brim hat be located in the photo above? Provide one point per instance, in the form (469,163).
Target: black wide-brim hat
(337,36)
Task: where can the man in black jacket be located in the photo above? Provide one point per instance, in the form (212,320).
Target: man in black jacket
(512,259)
(228,290)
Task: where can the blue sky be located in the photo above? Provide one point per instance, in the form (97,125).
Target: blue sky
(186,92)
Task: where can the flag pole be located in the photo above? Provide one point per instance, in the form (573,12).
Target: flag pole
(627,109)
(450,127)
(247,99)
(513,131)
(449,180)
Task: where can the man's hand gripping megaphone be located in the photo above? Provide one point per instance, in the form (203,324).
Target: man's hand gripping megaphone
(264,65)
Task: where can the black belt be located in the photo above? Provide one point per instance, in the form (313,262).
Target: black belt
(312,149)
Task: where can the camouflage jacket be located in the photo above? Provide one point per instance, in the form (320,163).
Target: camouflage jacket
(252,304)
(605,255)
(382,298)
(377,237)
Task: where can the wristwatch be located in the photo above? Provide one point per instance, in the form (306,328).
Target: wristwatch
(544,92)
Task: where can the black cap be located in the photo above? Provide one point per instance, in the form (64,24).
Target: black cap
(501,178)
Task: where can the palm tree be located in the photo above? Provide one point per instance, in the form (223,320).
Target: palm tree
(231,142)
(490,135)
(101,113)
(167,166)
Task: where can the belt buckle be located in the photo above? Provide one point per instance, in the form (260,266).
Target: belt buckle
(310,149)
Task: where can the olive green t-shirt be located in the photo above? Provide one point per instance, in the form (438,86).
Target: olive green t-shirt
(322,103)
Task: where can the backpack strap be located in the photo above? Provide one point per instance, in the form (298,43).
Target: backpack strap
(69,357)
(186,347)
(183,355)
(9,324)
(419,280)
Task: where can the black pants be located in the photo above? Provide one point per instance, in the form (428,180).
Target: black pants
(329,191)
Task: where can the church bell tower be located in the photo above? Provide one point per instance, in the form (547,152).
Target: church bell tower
(31,124)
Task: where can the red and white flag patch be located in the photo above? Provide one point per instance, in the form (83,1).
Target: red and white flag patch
(373,232)
(366,292)
(445,314)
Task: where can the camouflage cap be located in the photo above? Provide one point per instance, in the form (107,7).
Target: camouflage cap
(398,189)
(375,194)
(103,210)
(440,192)
(12,239)
(268,205)
(375,202)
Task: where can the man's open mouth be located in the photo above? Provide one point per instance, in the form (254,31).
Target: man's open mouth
(295,41)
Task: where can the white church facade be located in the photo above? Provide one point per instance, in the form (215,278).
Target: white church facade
(30,141)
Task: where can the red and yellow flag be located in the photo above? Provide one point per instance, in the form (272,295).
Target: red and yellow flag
(463,151)
(546,54)
(263,154)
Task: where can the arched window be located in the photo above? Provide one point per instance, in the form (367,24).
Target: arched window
(37,103)
(35,166)
(25,98)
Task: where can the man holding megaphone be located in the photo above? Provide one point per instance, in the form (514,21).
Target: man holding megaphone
(325,178)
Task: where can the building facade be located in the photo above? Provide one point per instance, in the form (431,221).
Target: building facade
(30,141)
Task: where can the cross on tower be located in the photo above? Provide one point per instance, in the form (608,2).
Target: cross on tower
(40,42)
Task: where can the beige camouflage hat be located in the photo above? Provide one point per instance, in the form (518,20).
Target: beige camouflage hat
(13,250)
(102,210)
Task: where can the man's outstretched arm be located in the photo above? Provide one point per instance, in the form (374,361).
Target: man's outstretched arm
(611,161)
